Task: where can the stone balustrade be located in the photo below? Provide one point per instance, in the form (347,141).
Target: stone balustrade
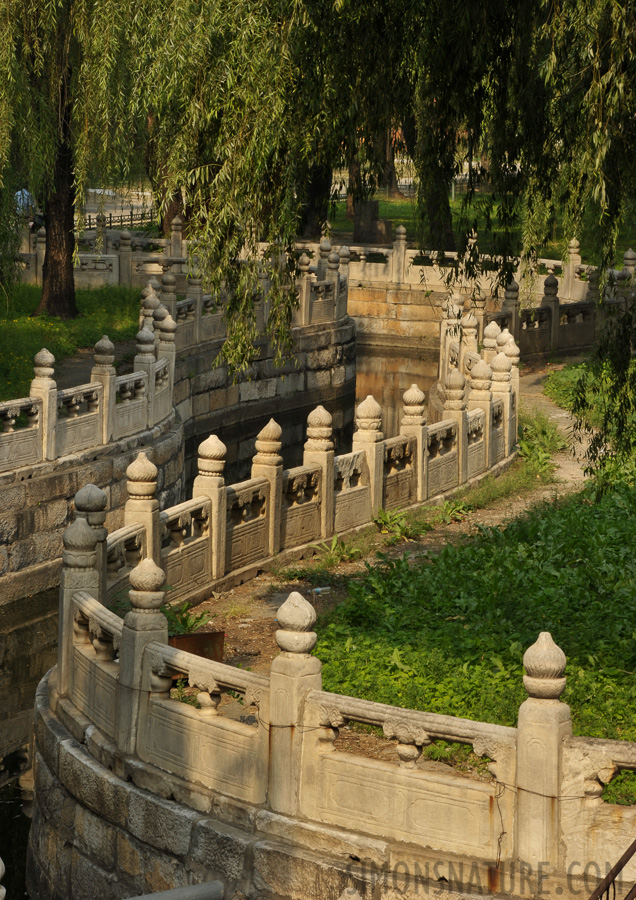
(57,423)
(267,798)
(225,533)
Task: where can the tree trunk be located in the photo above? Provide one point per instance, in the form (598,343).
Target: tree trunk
(440,219)
(353,189)
(317,207)
(58,282)
(389,176)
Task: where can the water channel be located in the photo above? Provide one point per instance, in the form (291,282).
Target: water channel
(28,647)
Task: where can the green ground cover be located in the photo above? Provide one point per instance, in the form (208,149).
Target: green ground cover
(110,310)
(448,634)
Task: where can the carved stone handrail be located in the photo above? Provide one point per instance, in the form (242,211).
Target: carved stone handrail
(336,709)
(97,614)
(206,672)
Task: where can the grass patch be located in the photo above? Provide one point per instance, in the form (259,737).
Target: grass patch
(111,310)
(448,635)
(403,211)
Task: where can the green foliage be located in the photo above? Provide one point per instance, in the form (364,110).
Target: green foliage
(561,385)
(448,635)
(398,528)
(183,694)
(110,310)
(182,621)
(338,551)
(452,511)
(621,789)
(539,439)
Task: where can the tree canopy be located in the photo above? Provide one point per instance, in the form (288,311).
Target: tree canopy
(243,108)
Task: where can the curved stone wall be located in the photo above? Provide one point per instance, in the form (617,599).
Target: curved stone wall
(108,827)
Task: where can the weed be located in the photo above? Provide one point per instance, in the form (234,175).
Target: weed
(448,635)
(452,511)
(184,693)
(398,528)
(237,610)
(182,621)
(336,552)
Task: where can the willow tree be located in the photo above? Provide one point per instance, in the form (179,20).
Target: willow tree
(64,112)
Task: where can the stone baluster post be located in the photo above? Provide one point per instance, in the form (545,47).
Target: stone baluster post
(103,372)
(194,289)
(512,352)
(569,271)
(159,315)
(501,367)
(145,361)
(503,339)
(629,262)
(40,253)
(551,301)
(369,438)
(294,673)
(469,342)
(44,388)
(210,483)
(512,306)
(629,267)
(268,463)
(544,723)
(343,296)
(322,262)
(176,238)
(479,311)
(142,507)
(125,258)
(449,331)
(143,624)
(455,408)
(304,291)
(319,450)
(491,333)
(167,348)
(149,303)
(481,398)
(333,275)
(414,424)
(90,504)
(169,294)
(79,573)
(398,269)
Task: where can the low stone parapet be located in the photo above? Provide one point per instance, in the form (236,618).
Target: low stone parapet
(137,791)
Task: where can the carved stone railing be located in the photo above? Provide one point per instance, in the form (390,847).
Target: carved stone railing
(202,744)
(226,533)
(126,547)
(20,445)
(79,418)
(185,553)
(264,753)
(391,796)
(131,404)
